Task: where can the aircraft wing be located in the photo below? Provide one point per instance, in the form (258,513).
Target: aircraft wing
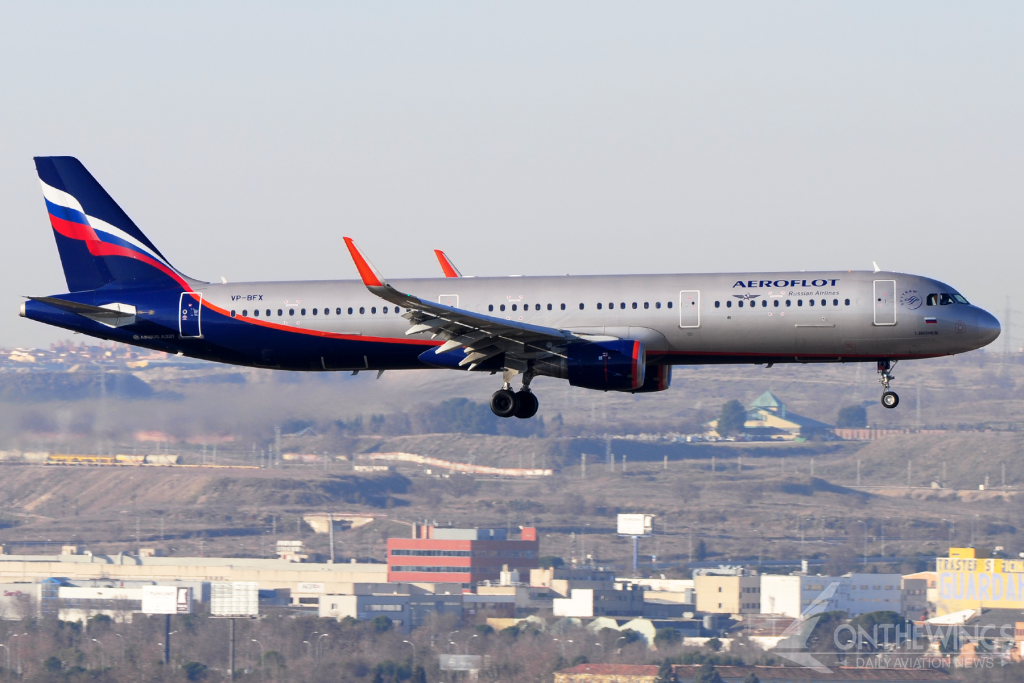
(483,336)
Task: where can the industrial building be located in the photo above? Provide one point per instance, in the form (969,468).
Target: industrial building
(854,594)
(465,556)
(969,580)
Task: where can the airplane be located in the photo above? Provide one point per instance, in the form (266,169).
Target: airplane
(602,332)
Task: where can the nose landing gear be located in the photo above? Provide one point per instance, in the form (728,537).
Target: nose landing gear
(890,399)
(522,404)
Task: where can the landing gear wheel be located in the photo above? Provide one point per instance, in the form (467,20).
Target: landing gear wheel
(890,399)
(528,405)
(504,403)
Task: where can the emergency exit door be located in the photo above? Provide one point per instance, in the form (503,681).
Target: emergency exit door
(885,302)
(190,308)
(689,308)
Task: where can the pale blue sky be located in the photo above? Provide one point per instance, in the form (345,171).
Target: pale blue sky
(525,138)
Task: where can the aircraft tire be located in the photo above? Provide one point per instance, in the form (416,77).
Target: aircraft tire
(890,399)
(528,405)
(504,403)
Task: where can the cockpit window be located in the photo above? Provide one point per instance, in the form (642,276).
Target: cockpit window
(932,299)
(946,299)
(960,300)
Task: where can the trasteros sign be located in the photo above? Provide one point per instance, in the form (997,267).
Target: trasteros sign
(967,583)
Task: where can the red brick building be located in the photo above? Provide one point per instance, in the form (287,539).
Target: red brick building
(466,556)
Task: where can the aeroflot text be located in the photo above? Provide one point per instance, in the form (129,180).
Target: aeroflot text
(784,283)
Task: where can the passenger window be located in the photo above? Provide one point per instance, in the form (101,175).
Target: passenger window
(847,302)
(776,303)
(314,311)
(581,307)
(932,300)
(646,305)
(327,311)
(788,303)
(563,307)
(669,304)
(350,310)
(611,305)
(245,313)
(764,303)
(397,309)
(279,313)
(232,314)
(303,311)
(501,307)
(835,302)
(623,305)
(291,311)
(385,310)
(718,304)
(536,307)
(338,311)
(657,304)
(799,302)
(599,307)
(513,307)
(810,302)
(634,304)
(549,307)
(256,313)
(372,310)
(362,310)
(824,302)
(728,304)
(490,307)
(740,304)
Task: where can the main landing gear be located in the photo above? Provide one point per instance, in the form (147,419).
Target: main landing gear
(890,399)
(507,403)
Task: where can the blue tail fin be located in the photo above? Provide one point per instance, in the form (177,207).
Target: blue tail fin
(99,244)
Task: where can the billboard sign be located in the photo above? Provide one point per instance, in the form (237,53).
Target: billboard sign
(461,662)
(311,587)
(235,599)
(166,600)
(636,525)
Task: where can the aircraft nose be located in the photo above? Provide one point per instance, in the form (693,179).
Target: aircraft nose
(988,327)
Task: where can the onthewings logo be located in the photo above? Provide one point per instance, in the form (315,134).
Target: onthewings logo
(793,646)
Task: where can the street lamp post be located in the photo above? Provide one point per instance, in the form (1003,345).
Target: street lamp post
(860,521)
(319,645)
(102,658)
(262,653)
(122,646)
(16,635)
(410,644)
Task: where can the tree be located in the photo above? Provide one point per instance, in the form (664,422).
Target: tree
(700,553)
(751,678)
(666,636)
(707,674)
(195,671)
(732,419)
(852,416)
(551,561)
(666,674)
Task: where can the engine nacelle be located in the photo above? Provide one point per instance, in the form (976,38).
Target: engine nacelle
(657,378)
(616,365)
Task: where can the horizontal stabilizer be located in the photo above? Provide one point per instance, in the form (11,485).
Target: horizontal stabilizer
(111,315)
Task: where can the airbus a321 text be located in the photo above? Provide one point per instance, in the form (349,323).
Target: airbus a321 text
(607,333)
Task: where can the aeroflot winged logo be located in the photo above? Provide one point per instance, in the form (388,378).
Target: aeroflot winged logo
(746,297)
(794,638)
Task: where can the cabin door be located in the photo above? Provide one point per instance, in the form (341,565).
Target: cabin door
(190,307)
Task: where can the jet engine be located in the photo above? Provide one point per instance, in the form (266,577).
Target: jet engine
(616,365)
